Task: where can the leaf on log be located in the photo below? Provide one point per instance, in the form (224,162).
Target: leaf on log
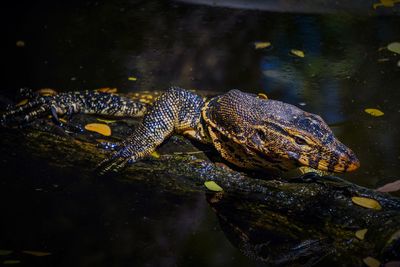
(47,92)
(213,186)
(367,203)
(100,128)
(374,112)
(107,90)
(155,154)
(360,234)
(371,262)
(23,102)
(262,96)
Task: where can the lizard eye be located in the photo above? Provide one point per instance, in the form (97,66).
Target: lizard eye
(300,141)
(261,134)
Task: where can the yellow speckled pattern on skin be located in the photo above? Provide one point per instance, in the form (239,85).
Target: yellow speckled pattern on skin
(248,131)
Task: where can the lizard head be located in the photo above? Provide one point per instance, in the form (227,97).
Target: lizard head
(275,134)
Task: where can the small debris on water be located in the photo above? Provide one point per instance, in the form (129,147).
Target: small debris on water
(297,53)
(261,45)
(394,47)
(20,43)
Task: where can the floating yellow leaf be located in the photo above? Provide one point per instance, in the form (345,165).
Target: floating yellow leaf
(11,262)
(132,78)
(20,43)
(36,253)
(360,234)
(394,47)
(4,252)
(297,52)
(385,3)
(100,128)
(261,45)
(106,121)
(262,96)
(374,112)
(371,262)
(367,203)
(23,102)
(155,154)
(213,186)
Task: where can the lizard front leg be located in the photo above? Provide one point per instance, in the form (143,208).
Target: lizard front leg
(175,111)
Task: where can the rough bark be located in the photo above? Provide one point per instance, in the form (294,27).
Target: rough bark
(293,222)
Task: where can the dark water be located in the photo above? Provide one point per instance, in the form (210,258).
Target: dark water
(85,45)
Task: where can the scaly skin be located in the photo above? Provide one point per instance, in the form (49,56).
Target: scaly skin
(88,102)
(247,131)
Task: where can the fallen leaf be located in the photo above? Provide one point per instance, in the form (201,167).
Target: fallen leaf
(62,120)
(393,237)
(20,43)
(374,112)
(385,3)
(262,96)
(390,187)
(36,253)
(100,128)
(297,52)
(360,234)
(23,102)
(132,78)
(4,252)
(11,262)
(107,90)
(106,121)
(155,154)
(371,262)
(46,92)
(261,45)
(367,203)
(213,186)
(394,47)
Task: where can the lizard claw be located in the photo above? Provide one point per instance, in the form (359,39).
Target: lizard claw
(114,165)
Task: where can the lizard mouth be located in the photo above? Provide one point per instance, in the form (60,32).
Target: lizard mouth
(343,163)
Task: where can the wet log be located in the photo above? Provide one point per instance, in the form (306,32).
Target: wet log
(296,222)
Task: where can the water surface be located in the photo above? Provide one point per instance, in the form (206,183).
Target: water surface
(92,44)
